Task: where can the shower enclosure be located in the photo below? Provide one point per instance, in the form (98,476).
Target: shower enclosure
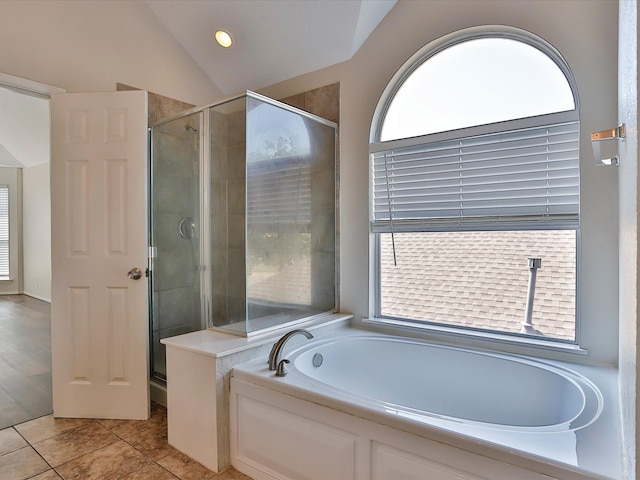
(174,233)
(242,225)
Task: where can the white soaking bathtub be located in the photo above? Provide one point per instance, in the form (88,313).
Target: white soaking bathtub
(362,405)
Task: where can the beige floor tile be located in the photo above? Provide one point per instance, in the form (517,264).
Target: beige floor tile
(48,426)
(21,464)
(150,472)
(158,415)
(110,462)
(125,428)
(185,468)
(152,443)
(75,443)
(232,474)
(10,440)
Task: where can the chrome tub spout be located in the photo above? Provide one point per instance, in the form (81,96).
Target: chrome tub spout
(276,351)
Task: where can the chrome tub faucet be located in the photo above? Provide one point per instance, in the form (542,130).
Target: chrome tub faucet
(276,351)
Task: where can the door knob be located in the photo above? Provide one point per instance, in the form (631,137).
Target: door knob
(135,274)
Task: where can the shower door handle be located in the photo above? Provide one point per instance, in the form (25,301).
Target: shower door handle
(135,274)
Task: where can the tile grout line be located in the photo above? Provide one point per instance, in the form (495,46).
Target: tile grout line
(153,460)
(120,439)
(93,420)
(30,445)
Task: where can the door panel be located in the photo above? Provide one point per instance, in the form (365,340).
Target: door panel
(98,210)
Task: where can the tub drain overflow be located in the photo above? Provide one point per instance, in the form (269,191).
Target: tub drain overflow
(317,360)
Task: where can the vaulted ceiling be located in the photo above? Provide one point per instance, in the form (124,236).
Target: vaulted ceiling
(274,40)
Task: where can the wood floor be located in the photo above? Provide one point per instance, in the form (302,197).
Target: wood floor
(25,359)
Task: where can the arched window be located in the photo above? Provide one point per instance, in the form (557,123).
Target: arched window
(475,169)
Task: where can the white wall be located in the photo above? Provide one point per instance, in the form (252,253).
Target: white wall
(85,47)
(89,46)
(36,231)
(13,178)
(585,33)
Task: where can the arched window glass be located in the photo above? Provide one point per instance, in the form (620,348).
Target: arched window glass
(477,82)
(475,169)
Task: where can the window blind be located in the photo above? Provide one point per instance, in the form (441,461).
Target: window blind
(279,191)
(4,231)
(519,179)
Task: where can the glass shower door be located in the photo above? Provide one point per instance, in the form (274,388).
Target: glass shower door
(174,234)
(273,215)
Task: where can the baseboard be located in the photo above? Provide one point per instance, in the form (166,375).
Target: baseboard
(37,297)
(158,393)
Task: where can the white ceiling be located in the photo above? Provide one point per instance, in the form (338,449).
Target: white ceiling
(274,40)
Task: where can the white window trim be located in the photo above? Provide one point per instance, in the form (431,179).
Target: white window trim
(482,339)
(467,336)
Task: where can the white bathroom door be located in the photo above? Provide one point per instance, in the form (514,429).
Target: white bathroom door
(99,315)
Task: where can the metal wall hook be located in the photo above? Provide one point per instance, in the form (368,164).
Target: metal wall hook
(618,132)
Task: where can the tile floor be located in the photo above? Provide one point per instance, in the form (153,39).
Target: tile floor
(86,449)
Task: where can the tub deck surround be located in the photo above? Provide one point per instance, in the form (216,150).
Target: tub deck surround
(198,374)
(544,418)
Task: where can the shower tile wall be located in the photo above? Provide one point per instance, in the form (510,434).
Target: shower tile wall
(324,102)
(176,200)
(236,208)
(219,217)
(323,228)
(228,216)
(159,106)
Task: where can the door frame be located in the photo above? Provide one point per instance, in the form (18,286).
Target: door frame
(24,87)
(28,87)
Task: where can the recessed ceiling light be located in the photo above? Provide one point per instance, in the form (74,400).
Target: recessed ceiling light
(223,38)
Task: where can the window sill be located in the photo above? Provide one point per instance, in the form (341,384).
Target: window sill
(483,340)
(5,279)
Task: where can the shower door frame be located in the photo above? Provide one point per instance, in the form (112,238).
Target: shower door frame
(203,230)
